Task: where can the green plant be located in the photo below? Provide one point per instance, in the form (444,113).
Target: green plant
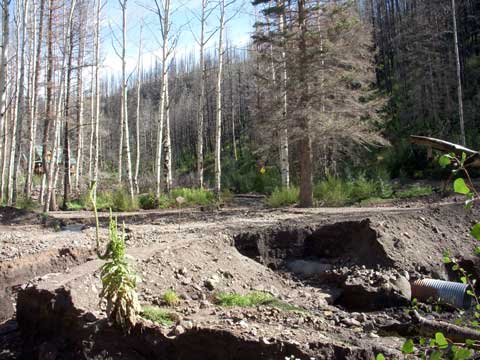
(414,191)
(158,315)
(253,299)
(333,191)
(193,196)
(283,197)
(26,203)
(148,201)
(119,281)
(76,204)
(122,201)
(171,298)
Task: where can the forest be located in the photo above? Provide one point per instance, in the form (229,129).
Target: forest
(229,179)
(324,90)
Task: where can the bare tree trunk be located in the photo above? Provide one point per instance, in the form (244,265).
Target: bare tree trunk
(34,107)
(66,132)
(459,76)
(97,90)
(163,12)
(284,162)
(3,89)
(20,102)
(218,105)
(92,122)
(167,145)
(201,96)
(137,120)
(306,180)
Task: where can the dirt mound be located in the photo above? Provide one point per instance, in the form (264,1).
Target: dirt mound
(15,272)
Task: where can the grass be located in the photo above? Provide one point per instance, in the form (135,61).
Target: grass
(414,191)
(193,196)
(171,298)
(283,197)
(26,203)
(253,299)
(158,315)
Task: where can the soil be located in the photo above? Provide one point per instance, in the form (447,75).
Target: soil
(347,268)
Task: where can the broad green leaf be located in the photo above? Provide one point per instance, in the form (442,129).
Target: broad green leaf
(436,355)
(464,157)
(469,342)
(475,231)
(408,347)
(477,250)
(441,341)
(380,357)
(460,187)
(444,161)
(461,353)
(446,259)
(463,279)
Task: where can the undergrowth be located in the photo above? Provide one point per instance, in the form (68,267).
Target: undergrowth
(170,298)
(253,299)
(158,315)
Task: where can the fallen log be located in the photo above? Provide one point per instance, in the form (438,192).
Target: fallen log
(473,157)
(455,333)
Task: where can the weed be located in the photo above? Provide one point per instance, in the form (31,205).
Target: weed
(283,197)
(194,196)
(119,281)
(26,203)
(147,201)
(158,315)
(76,204)
(171,298)
(253,299)
(333,191)
(122,201)
(414,191)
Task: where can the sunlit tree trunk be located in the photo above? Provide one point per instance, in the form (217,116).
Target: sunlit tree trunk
(218,105)
(137,120)
(97,91)
(459,75)
(3,89)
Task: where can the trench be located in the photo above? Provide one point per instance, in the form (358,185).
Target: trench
(325,256)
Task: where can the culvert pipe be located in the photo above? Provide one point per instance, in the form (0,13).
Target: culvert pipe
(447,292)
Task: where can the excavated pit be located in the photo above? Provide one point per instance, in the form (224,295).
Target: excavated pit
(347,256)
(340,244)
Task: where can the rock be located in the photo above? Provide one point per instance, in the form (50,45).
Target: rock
(179,330)
(402,286)
(187,324)
(212,282)
(89,317)
(351,322)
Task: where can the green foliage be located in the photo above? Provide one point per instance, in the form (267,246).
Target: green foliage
(253,299)
(283,197)
(334,191)
(158,315)
(193,196)
(148,201)
(119,281)
(171,298)
(414,191)
(76,204)
(122,201)
(26,203)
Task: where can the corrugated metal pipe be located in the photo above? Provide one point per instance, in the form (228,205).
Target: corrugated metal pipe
(447,292)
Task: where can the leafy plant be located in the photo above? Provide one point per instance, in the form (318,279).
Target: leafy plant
(171,298)
(119,281)
(158,315)
(253,299)
(283,197)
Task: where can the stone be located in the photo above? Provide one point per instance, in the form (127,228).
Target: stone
(179,330)
(212,282)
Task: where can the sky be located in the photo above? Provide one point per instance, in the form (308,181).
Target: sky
(238,30)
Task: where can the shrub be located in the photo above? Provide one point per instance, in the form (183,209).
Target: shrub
(122,201)
(147,201)
(76,204)
(194,196)
(26,203)
(171,298)
(158,315)
(414,191)
(363,188)
(283,197)
(333,191)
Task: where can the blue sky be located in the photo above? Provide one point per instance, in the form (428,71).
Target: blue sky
(238,29)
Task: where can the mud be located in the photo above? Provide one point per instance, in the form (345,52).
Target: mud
(348,269)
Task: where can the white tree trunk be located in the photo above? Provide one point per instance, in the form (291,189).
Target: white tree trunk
(284,162)
(3,89)
(97,91)
(459,76)
(218,105)
(137,120)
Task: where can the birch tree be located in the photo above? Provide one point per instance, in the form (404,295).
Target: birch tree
(4,83)
(137,119)
(218,104)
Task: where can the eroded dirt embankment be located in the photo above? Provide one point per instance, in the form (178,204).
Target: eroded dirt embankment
(326,262)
